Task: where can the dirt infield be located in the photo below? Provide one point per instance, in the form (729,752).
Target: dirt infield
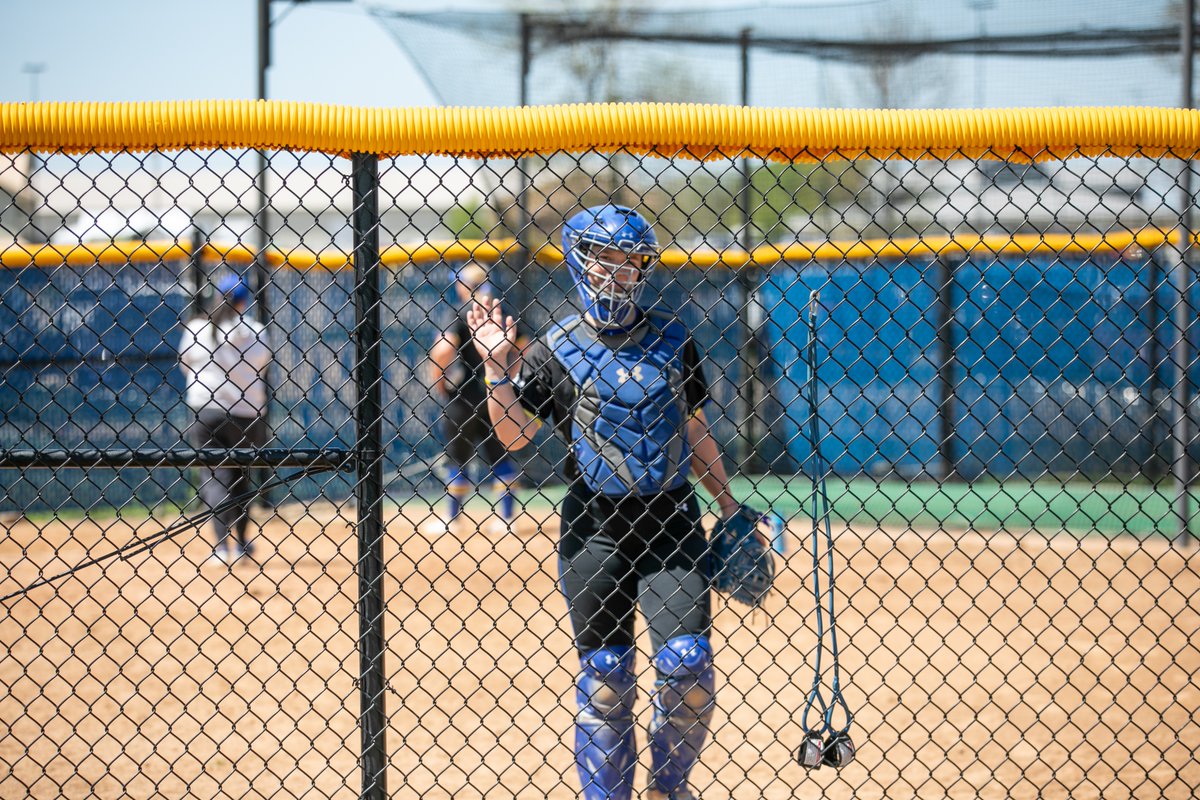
(979,666)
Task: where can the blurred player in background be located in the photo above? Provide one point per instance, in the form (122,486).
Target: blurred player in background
(225,356)
(457,378)
(623,384)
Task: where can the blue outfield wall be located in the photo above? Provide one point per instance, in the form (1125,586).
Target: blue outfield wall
(1053,367)
(876,348)
(88,359)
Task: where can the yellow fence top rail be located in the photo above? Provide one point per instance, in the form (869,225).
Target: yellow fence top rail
(680,130)
(399,256)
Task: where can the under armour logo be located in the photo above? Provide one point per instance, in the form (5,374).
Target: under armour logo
(624,374)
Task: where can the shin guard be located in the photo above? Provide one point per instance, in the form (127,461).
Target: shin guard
(604,743)
(684,698)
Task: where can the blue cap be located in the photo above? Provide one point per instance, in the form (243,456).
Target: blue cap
(234,288)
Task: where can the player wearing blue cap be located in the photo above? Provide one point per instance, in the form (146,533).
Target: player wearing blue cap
(623,385)
(225,358)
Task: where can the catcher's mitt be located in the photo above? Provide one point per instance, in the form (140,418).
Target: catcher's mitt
(741,565)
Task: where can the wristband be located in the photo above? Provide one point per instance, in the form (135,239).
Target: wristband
(493,384)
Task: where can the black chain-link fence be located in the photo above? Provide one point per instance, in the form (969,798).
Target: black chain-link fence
(262,540)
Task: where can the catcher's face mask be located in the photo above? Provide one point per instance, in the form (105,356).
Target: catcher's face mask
(615,276)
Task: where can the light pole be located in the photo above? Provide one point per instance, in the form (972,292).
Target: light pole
(260,178)
(260,235)
(979,7)
(978,224)
(33,69)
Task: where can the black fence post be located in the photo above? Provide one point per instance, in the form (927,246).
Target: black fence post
(750,389)
(196,274)
(1181,466)
(1158,463)
(944,277)
(368,380)
(522,258)
(262,280)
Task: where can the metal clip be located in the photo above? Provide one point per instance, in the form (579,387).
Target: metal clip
(839,750)
(810,754)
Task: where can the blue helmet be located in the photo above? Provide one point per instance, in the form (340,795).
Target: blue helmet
(234,288)
(609,288)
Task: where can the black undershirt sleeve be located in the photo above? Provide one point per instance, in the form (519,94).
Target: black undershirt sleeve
(540,375)
(695,386)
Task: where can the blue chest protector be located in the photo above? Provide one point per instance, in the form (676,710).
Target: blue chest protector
(629,426)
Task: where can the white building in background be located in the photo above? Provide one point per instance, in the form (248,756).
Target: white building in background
(113,224)
(91,198)
(162,196)
(16,199)
(1081,195)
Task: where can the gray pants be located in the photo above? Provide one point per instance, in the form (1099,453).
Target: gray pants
(220,431)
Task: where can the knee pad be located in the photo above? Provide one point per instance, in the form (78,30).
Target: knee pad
(606,687)
(686,681)
(684,698)
(604,742)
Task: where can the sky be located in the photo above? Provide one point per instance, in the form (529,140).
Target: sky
(147,50)
(129,50)
(335,52)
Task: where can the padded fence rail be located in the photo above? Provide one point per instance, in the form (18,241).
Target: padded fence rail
(262,535)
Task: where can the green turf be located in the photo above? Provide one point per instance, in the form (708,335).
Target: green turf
(1049,507)
(1017,506)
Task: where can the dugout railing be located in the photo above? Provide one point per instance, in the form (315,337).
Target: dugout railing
(1006,416)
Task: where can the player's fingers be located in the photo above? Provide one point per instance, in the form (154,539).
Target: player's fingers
(482,316)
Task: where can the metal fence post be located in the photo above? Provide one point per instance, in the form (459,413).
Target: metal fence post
(368,379)
(944,275)
(1181,358)
(1157,391)
(749,389)
(195,273)
(1181,425)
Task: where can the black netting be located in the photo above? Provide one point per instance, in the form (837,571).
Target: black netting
(874,53)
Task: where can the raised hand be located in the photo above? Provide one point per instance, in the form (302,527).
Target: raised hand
(494,335)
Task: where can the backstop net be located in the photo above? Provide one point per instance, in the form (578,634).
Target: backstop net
(818,53)
(275,526)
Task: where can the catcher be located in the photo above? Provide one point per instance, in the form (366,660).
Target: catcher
(623,385)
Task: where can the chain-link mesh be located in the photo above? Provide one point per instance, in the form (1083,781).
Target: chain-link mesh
(1003,409)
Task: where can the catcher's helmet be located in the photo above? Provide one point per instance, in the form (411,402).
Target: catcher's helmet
(610,288)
